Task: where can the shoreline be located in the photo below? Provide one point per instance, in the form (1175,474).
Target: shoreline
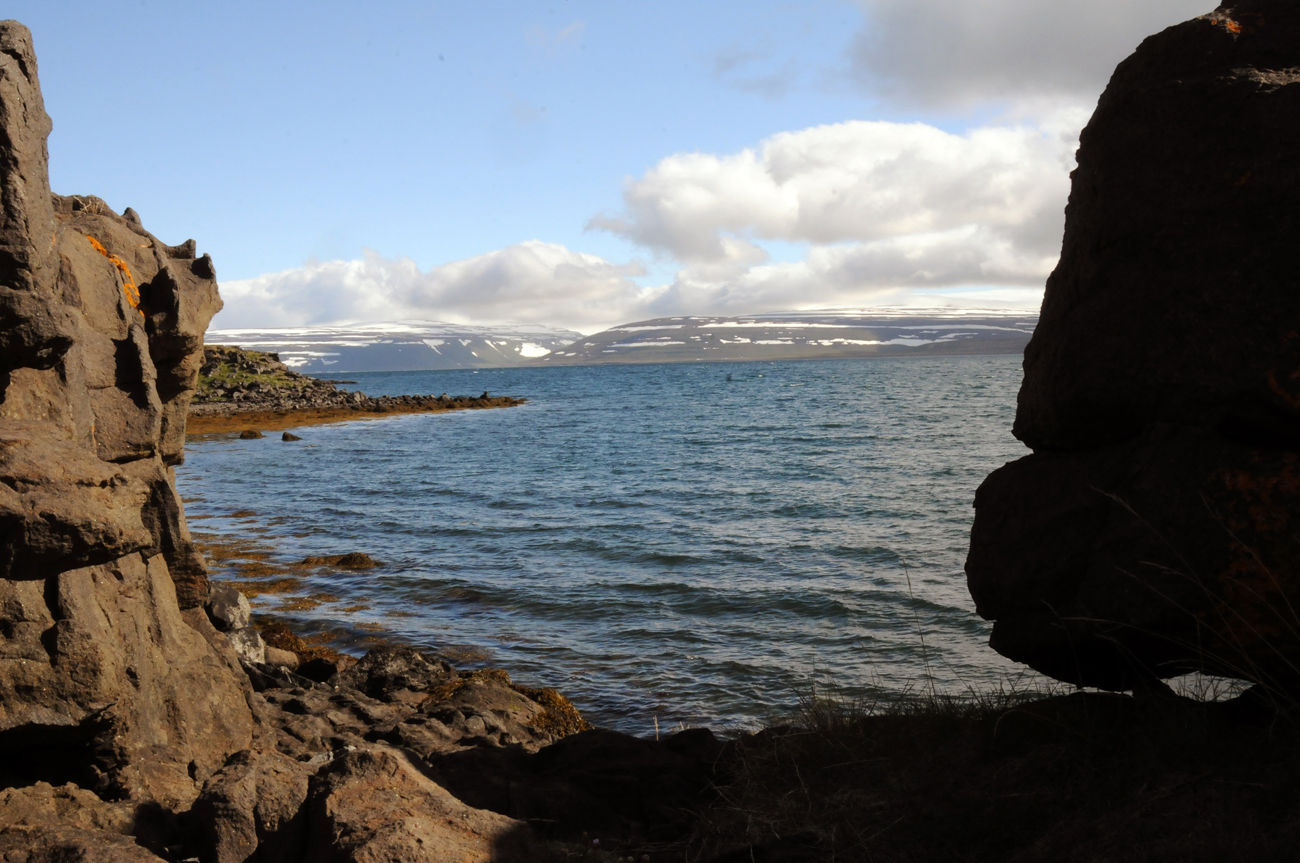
(272,418)
(856,781)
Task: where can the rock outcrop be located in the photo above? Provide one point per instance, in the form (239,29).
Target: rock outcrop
(1154,530)
(109,676)
(131,727)
(234,381)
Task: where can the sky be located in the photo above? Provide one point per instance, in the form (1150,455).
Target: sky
(586,164)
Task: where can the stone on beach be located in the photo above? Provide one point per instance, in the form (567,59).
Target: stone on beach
(228,608)
(373,804)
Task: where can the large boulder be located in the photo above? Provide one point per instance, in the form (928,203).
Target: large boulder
(110,675)
(252,810)
(43,824)
(1153,532)
(373,804)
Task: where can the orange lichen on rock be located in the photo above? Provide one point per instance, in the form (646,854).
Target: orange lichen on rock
(128,281)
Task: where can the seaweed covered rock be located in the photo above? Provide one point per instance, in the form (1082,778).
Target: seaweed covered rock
(1152,532)
(109,676)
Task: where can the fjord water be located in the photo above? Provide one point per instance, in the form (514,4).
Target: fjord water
(690,542)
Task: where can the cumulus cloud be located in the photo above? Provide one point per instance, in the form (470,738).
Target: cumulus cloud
(881,205)
(945,53)
(531,282)
(884,210)
(897,270)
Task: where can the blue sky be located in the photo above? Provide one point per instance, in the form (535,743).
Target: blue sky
(581,163)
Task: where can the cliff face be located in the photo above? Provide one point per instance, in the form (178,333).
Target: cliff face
(107,674)
(1153,532)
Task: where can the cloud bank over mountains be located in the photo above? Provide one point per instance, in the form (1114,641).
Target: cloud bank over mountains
(881,208)
(531,282)
(878,212)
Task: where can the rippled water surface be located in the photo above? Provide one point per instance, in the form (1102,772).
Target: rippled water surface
(686,542)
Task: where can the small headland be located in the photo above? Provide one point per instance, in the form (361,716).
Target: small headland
(240,390)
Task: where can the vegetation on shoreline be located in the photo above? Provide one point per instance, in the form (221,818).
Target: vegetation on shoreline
(227,370)
(1008,775)
(252,391)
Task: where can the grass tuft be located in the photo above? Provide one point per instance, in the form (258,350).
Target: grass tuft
(1010,774)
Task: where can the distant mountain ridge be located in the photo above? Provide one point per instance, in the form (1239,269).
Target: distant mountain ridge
(400,345)
(433,345)
(805,335)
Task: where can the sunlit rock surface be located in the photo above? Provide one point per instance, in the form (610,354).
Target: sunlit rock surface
(105,680)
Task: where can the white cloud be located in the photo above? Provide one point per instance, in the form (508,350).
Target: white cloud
(946,53)
(890,271)
(881,206)
(531,282)
(884,212)
(884,209)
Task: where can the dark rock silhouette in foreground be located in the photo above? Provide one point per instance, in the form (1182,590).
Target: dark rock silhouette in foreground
(1154,531)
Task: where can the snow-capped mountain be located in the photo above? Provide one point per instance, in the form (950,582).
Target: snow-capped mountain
(399,346)
(805,335)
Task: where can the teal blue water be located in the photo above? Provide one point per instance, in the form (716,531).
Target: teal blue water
(692,543)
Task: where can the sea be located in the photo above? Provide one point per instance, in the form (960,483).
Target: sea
(668,545)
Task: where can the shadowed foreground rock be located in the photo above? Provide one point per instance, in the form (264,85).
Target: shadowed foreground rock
(1153,532)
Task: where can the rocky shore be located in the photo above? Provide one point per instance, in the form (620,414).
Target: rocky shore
(145,717)
(239,390)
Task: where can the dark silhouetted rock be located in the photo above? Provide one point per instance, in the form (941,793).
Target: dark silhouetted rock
(611,786)
(1152,532)
(250,434)
(1172,299)
(287,436)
